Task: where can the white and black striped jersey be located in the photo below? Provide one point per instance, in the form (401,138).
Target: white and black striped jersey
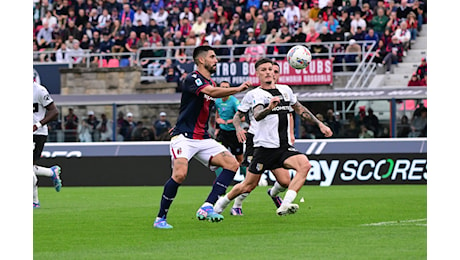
(274,130)
(41,100)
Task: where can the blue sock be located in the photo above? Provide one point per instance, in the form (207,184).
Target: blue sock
(220,185)
(169,193)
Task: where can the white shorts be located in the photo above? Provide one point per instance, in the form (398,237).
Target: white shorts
(203,150)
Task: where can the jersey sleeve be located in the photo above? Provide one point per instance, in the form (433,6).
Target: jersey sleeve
(245,104)
(194,84)
(45,98)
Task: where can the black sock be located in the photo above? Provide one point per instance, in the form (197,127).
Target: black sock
(220,185)
(169,193)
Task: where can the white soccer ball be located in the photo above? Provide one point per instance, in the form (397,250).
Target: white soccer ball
(299,57)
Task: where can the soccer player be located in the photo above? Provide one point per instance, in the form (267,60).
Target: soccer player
(282,175)
(44,111)
(190,137)
(273,148)
(226,108)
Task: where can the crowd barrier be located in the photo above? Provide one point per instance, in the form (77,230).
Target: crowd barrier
(334,162)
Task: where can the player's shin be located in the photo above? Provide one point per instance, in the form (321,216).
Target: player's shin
(169,193)
(220,185)
(42,171)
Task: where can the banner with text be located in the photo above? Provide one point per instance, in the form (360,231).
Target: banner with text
(319,72)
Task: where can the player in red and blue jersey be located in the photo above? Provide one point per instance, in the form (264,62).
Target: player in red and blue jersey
(190,138)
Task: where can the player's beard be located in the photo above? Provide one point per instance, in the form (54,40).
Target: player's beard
(210,68)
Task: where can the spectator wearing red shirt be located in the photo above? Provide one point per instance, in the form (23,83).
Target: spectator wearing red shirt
(185,27)
(131,42)
(422,69)
(312,35)
(414,81)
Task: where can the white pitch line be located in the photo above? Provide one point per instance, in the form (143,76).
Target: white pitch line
(402,222)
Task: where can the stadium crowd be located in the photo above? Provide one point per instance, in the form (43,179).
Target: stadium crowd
(71,28)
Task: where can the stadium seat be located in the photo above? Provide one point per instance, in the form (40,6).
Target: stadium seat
(124,63)
(113,63)
(104,63)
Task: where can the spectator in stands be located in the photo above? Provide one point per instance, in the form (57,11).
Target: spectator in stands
(403,10)
(92,121)
(93,18)
(312,35)
(142,16)
(396,50)
(329,10)
(320,23)
(49,19)
(266,8)
(367,13)
(352,55)
(345,23)
(271,39)
(338,57)
(70,125)
(299,36)
(371,36)
(76,32)
(85,131)
(126,13)
(253,52)
(414,81)
(145,60)
(332,23)
(76,54)
(314,11)
(318,50)
(391,58)
(325,35)
(119,44)
(85,42)
(105,129)
(115,29)
(139,27)
(393,22)
(161,18)
(44,37)
(187,14)
(122,126)
(235,23)
(365,132)
(371,121)
(198,26)
(403,127)
(422,69)
(291,11)
(283,37)
(260,27)
(82,18)
(380,53)
(419,123)
(127,27)
(412,26)
(61,10)
(213,37)
(106,44)
(185,27)
(333,123)
(351,131)
(131,42)
(379,22)
(162,127)
(62,54)
(357,21)
(339,35)
(419,13)
(359,35)
(156,5)
(353,8)
(304,11)
(103,18)
(271,23)
(130,127)
(404,36)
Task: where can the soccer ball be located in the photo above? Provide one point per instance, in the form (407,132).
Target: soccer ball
(299,57)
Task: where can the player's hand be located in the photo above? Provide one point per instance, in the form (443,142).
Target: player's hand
(35,128)
(241,135)
(325,130)
(247,84)
(274,102)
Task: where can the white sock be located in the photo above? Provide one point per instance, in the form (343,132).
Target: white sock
(221,204)
(43,171)
(35,189)
(276,189)
(289,197)
(239,200)
(206,204)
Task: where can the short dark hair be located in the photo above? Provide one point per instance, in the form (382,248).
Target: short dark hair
(199,50)
(263,61)
(275,63)
(224,81)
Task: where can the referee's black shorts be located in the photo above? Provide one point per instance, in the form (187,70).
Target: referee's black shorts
(229,140)
(270,158)
(39,143)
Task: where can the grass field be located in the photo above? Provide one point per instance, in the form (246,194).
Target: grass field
(337,222)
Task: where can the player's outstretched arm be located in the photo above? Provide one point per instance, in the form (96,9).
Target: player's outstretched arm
(240,132)
(305,114)
(223,92)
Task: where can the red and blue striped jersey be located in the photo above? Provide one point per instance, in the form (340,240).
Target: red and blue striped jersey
(195,107)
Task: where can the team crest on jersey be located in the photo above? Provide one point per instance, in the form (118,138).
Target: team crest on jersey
(46,97)
(285,96)
(259,167)
(179,151)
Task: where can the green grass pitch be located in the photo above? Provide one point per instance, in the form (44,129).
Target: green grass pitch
(337,222)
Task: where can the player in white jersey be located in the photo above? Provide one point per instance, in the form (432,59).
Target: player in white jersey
(44,111)
(273,147)
(282,175)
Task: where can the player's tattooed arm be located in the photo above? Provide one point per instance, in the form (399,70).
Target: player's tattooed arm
(260,112)
(305,114)
(237,119)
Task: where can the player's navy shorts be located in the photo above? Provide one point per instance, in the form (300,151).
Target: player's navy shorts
(39,143)
(229,140)
(270,158)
